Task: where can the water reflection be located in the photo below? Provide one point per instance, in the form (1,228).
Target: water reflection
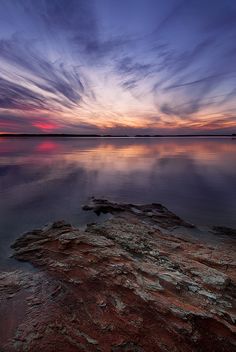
(46,179)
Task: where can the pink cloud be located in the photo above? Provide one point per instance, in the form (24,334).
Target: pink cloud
(45,126)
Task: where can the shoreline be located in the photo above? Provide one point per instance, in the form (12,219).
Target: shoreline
(62,135)
(143,280)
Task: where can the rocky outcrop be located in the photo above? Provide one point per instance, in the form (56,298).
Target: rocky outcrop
(143,280)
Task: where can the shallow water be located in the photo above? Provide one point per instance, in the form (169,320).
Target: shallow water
(42,180)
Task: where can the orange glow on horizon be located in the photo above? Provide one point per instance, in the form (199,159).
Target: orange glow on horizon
(119,120)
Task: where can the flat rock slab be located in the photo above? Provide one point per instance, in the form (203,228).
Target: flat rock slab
(143,280)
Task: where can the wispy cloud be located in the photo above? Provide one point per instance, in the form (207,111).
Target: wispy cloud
(88,65)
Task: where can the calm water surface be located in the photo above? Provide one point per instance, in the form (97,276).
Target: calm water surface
(42,180)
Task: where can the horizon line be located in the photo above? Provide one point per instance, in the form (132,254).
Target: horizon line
(2,135)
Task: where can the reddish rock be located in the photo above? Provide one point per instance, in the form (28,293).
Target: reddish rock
(144,280)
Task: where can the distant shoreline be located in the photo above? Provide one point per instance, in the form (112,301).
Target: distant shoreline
(63,135)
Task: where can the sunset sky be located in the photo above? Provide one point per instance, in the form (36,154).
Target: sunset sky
(118,66)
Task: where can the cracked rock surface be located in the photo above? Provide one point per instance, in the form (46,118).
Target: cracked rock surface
(143,280)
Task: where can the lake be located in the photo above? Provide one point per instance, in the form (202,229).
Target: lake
(43,180)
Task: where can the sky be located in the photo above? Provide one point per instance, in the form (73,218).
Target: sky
(118,66)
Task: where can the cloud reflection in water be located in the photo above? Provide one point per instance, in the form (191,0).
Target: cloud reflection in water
(42,180)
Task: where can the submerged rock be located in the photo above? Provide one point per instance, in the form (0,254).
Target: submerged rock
(143,280)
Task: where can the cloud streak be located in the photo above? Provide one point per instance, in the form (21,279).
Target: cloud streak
(79,65)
